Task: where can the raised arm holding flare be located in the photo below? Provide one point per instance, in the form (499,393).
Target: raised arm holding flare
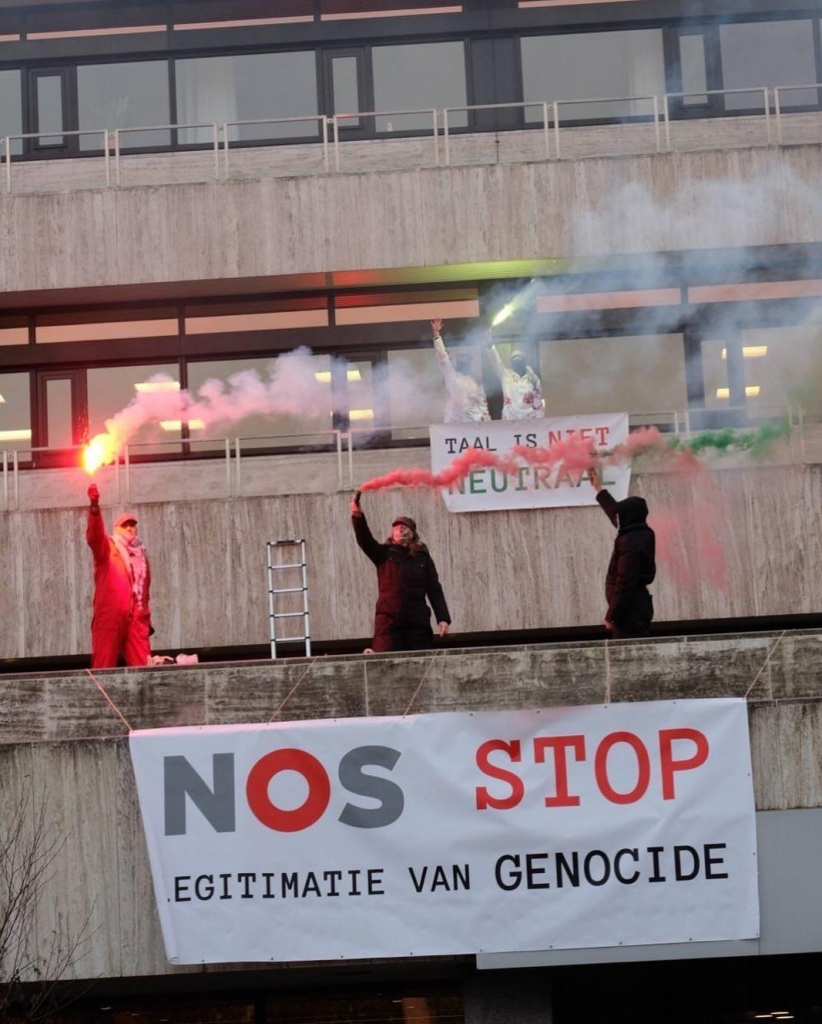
(121,624)
(521,387)
(466,401)
(632,567)
(406,576)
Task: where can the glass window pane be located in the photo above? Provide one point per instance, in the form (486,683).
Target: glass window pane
(345,79)
(783,366)
(417,77)
(715,375)
(11,108)
(258,85)
(642,374)
(15,411)
(594,65)
(264,431)
(58,413)
(768,53)
(416,392)
(49,109)
(124,96)
(694,68)
(111,388)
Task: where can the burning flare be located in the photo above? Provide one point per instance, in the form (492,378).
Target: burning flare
(101,450)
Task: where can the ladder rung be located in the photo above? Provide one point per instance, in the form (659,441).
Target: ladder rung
(290,565)
(287,615)
(288,590)
(290,639)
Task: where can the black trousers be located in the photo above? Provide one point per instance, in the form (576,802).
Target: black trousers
(404,638)
(638,622)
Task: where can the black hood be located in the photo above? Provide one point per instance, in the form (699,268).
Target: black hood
(632,512)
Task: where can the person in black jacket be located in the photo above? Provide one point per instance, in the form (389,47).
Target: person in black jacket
(406,575)
(632,567)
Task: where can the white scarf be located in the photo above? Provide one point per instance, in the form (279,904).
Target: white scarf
(136,562)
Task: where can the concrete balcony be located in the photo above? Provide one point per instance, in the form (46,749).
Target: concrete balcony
(58,731)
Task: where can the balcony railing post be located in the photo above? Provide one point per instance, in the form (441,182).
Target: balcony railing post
(226,170)
(657,135)
(556,129)
(326,155)
(767,115)
(446,135)
(436,138)
(118,173)
(5,480)
(546,131)
(238,479)
(777,107)
(15,468)
(7,142)
(666,113)
(336,131)
(228,466)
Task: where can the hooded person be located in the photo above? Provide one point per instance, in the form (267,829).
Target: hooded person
(121,624)
(521,387)
(632,567)
(406,576)
(466,401)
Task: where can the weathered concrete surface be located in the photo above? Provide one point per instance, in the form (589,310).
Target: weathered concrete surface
(60,742)
(719,556)
(424,217)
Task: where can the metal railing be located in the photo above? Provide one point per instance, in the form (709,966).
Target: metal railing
(274,120)
(681,423)
(777,103)
(544,107)
(103,132)
(283,442)
(119,132)
(654,100)
(429,111)
(764,91)
(331,130)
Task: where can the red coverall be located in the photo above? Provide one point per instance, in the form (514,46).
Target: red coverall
(118,626)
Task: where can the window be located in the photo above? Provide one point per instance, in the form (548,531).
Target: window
(11,108)
(111,388)
(417,77)
(694,68)
(594,65)
(15,411)
(768,53)
(277,315)
(14,330)
(416,392)
(641,374)
(124,96)
(308,415)
(258,85)
(783,366)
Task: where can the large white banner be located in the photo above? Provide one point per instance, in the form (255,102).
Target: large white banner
(451,833)
(485,489)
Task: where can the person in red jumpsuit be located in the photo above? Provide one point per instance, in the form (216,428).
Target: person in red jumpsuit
(121,624)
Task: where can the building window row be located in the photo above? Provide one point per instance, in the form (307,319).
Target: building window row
(599,75)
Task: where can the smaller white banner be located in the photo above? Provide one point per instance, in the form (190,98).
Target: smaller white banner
(488,490)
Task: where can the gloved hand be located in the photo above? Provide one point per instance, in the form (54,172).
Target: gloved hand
(94,495)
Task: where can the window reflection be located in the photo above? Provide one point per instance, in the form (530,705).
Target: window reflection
(124,96)
(768,53)
(642,374)
(266,85)
(594,65)
(11,109)
(15,411)
(418,77)
(111,388)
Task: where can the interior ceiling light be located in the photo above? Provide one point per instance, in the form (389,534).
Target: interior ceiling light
(2,400)
(324,376)
(15,435)
(752,391)
(750,352)
(157,385)
(170,425)
(361,414)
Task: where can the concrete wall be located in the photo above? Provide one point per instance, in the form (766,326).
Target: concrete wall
(409,218)
(743,542)
(60,743)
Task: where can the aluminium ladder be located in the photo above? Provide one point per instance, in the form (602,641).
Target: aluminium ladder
(273,614)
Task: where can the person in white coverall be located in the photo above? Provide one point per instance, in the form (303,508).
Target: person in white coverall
(521,387)
(466,401)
